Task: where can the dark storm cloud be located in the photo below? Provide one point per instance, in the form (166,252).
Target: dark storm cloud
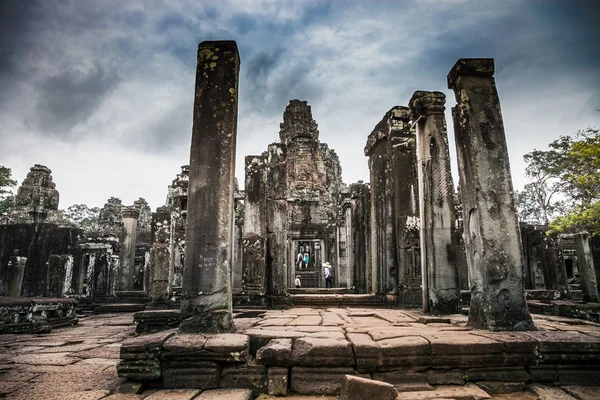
(70,98)
(273,78)
(17,22)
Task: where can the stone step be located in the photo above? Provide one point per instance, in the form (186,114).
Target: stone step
(321,291)
(337,300)
(119,307)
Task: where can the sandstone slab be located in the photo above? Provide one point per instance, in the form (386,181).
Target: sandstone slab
(467,392)
(549,393)
(406,352)
(357,388)
(277,352)
(319,381)
(366,351)
(583,392)
(317,352)
(226,394)
(174,394)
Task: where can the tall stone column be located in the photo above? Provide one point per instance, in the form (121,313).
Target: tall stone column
(159,287)
(14,276)
(437,210)
(254,260)
(206,300)
(491,230)
(127,254)
(585,263)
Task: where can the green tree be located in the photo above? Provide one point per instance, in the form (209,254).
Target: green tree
(6,185)
(582,184)
(82,216)
(538,203)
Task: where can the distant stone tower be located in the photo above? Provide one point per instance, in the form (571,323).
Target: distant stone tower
(37,198)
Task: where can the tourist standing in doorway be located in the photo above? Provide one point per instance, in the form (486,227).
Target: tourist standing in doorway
(328,275)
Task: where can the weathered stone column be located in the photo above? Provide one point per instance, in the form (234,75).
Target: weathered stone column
(491,229)
(585,263)
(127,253)
(437,209)
(206,300)
(159,288)
(277,226)
(14,276)
(254,261)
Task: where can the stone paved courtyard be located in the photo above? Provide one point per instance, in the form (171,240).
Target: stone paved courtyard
(80,362)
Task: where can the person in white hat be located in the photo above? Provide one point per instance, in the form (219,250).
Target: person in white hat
(328,275)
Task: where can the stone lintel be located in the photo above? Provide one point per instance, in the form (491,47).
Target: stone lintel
(471,66)
(425,103)
(392,120)
(130,212)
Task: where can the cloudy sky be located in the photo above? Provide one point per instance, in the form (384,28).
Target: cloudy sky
(101,91)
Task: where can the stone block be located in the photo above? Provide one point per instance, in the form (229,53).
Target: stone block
(156,320)
(583,392)
(261,337)
(548,393)
(189,374)
(141,370)
(498,387)
(404,352)
(356,388)
(226,394)
(278,380)
(317,352)
(276,352)
(543,373)
(465,350)
(319,381)
(228,347)
(502,374)
(585,375)
(467,392)
(244,376)
(446,377)
(366,351)
(144,346)
(189,344)
(402,377)
(565,342)
(174,394)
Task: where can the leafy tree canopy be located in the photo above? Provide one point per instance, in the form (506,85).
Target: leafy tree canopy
(82,216)
(564,187)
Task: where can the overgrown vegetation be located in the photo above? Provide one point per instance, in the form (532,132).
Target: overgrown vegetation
(564,187)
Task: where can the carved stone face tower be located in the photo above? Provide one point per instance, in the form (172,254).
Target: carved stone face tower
(37,198)
(298,123)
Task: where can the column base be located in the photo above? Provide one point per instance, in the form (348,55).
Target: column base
(220,321)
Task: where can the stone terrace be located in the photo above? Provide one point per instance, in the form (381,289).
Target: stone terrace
(312,351)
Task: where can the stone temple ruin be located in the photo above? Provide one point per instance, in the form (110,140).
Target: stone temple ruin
(405,240)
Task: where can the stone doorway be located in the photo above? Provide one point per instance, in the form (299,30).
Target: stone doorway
(307,259)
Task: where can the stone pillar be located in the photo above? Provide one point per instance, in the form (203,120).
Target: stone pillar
(277,226)
(491,228)
(14,276)
(585,263)
(206,298)
(127,252)
(437,209)
(403,150)
(159,288)
(254,261)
